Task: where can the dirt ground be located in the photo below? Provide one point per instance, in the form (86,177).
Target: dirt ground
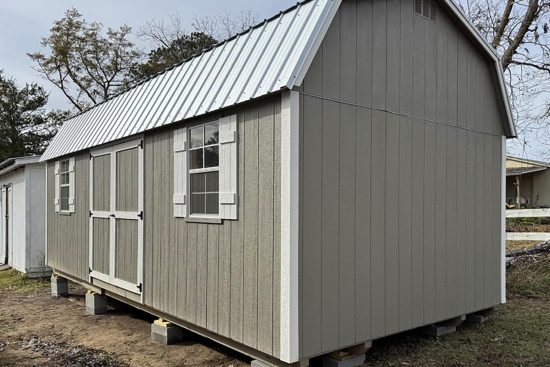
(38,330)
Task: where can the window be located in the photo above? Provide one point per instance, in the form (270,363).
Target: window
(64,185)
(205,170)
(204,160)
(425,8)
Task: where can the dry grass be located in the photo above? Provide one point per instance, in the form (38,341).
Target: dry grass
(14,281)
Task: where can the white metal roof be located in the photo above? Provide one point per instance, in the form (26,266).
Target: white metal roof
(267,58)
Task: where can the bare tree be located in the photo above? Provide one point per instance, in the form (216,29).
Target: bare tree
(87,63)
(519,31)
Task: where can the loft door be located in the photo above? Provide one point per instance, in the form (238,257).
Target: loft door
(116,215)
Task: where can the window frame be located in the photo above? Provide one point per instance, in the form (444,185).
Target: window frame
(192,171)
(67,185)
(430,4)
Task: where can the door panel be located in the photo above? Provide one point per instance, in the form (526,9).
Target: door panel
(126,250)
(102,182)
(116,220)
(127,180)
(101,245)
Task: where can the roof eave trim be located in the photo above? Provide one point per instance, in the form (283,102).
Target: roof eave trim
(510,129)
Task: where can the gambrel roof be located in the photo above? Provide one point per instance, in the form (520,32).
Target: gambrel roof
(267,58)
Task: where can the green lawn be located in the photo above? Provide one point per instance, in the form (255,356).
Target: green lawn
(14,281)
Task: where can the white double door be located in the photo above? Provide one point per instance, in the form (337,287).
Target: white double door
(116,215)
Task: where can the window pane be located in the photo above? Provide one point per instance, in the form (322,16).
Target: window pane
(212,182)
(418,6)
(212,204)
(211,134)
(197,203)
(196,159)
(197,182)
(426,9)
(64,166)
(64,179)
(211,157)
(196,137)
(432,10)
(64,197)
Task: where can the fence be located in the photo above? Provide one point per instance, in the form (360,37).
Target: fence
(527,213)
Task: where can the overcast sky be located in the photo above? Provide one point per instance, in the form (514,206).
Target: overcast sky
(24,22)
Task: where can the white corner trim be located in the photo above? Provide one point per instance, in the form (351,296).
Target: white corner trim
(503,223)
(290,157)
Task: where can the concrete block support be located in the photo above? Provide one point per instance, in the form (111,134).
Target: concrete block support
(96,304)
(60,286)
(479,317)
(443,328)
(165,332)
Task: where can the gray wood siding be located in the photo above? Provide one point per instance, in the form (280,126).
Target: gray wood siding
(400,177)
(126,232)
(127,180)
(68,234)
(102,182)
(223,277)
(101,245)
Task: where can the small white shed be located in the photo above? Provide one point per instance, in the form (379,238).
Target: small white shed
(22,208)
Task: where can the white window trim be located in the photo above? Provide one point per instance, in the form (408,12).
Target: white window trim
(70,185)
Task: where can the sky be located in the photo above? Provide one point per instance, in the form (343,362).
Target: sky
(24,22)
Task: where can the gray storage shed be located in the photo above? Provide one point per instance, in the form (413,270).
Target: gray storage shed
(328,177)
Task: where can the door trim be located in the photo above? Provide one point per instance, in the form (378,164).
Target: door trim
(114,214)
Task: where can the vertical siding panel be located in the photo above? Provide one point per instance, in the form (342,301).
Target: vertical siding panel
(392,220)
(181,240)
(417,230)
(250,301)
(440,221)
(472,89)
(265,230)
(364,53)
(405,223)
(393,57)
(462,82)
(348,52)
(406,58)
(277,229)
(489,187)
(224,280)
(312,226)
(461,229)
(452,75)
(212,280)
(429,221)
(330,159)
(431,70)
(378,216)
(363,224)
(379,50)
(480,222)
(313,81)
(419,67)
(346,225)
(237,243)
(331,60)
(441,72)
(192,270)
(451,225)
(497,207)
(470,220)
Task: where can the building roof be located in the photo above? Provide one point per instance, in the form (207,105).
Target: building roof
(518,171)
(269,57)
(12,164)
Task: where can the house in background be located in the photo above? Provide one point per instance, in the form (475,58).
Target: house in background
(527,183)
(22,209)
(319,181)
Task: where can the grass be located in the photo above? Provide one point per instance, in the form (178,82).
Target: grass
(14,281)
(517,333)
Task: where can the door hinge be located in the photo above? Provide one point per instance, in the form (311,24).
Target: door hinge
(140,215)
(89,270)
(140,286)
(141,144)
(91,213)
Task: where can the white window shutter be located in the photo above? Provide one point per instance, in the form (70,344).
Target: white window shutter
(180,172)
(56,187)
(71,185)
(228,167)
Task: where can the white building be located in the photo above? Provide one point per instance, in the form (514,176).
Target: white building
(23,225)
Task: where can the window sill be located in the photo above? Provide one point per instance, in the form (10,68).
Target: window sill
(209,220)
(65,213)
